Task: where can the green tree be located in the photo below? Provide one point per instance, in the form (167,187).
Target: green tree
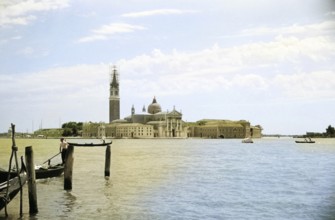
(201,122)
(72,128)
(330,131)
(67,132)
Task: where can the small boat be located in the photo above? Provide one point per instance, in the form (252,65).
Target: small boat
(248,140)
(90,144)
(41,172)
(8,190)
(49,171)
(305,142)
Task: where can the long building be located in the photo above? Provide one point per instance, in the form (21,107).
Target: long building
(224,129)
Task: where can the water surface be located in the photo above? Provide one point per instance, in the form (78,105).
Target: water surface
(274,178)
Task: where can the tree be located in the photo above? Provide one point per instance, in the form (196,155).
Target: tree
(330,131)
(72,128)
(201,122)
(67,132)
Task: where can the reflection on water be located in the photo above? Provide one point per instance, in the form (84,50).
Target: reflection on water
(189,179)
(69,201)
(108,189)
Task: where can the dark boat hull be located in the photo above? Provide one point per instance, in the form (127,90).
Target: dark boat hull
(50,172)
(40,173)
(90,144)
(13,189)
(305,142)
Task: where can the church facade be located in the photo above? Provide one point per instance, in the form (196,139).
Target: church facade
(165,124)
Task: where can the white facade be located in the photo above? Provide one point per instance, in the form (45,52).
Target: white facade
(134,130)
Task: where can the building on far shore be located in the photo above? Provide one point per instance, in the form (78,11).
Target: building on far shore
(155,123)
(214,128)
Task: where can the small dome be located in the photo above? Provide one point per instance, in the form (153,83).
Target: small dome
(154,107)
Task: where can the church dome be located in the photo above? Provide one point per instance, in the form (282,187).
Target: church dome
(154,107)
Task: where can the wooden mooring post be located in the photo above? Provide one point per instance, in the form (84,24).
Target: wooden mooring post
(107,161)
(68,168)
(29,155)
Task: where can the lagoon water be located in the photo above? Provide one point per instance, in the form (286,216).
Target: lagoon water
(274,178)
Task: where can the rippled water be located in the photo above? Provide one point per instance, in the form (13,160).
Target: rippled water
(187,179)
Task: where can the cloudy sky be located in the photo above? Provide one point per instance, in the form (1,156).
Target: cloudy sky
(269,62)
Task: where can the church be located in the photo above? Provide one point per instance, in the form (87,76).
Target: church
(152,122)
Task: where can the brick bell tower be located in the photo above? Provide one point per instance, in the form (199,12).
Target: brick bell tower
(114,96)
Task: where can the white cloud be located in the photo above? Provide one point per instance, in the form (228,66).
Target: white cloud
(310,86)
(295,29)
(256,68)
(67,93)
(92,38)
(117,28)
(27,51)
(33,52)
(20,13)
(157,12)
(56,83)
(16,38)
(106,31)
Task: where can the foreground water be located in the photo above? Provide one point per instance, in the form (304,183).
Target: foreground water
(186,179)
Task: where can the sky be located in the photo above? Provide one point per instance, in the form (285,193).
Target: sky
(268,62)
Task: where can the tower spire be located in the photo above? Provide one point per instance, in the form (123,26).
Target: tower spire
(132,110)
(115,80)
(114,96)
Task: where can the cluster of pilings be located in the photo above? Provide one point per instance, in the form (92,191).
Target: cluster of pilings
(68,170)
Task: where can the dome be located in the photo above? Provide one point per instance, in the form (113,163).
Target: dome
(154,107)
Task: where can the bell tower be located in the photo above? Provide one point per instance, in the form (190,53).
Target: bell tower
(114,96)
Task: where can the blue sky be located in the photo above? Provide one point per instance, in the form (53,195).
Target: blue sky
(268,62)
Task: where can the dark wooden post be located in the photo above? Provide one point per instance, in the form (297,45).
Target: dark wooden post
(107,161)
(68,168)
(29,154)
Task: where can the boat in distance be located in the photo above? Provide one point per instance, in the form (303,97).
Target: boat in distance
(306,141)
(248,140)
